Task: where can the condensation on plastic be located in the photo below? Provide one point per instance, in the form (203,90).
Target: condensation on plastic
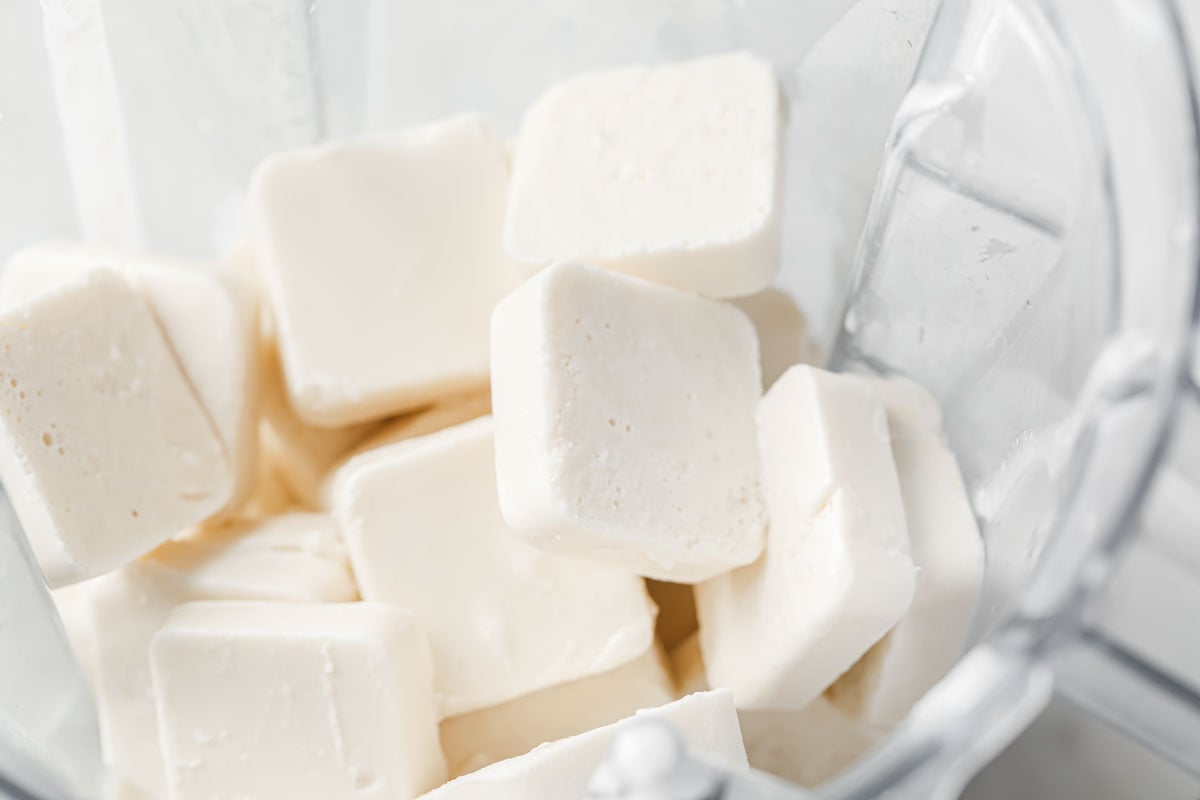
(1029,252)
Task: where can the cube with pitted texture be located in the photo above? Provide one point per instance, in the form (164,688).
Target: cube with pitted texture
(208,314)
(382,259)
(424,531)
(284,700)
(837,572)
(948,553)
(625,428)
(667,172)
(105,447)
(293,557)
(510,729)
(707,722)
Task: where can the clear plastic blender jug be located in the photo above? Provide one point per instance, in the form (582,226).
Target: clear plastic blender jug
(995,197)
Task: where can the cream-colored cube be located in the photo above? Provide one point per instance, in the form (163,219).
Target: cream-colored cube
(948,553)
(423,530)
(474,740)
(782,329)
(291,558)
(625,429)
(562,769)
(105,449)
(670,173)
(284,700)
(836,574)
(208,314)
(382,259)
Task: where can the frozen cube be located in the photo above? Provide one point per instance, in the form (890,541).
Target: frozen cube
(669,173)
(562,769)
(106,450)
(807,747)
(782,330)
(382,259)
(424,532)
(625,429)
(210,319)
(284,700)
(836,574)
(291,558)
(483,737)
(948,553)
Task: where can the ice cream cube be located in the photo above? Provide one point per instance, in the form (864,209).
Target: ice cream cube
(668,172)
(625,425)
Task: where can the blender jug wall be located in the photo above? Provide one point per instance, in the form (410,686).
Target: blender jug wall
(1029,254)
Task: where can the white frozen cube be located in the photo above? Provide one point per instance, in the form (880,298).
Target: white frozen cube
(424,532)
(291,558)
(382,259)
(625,429)
(472,741)
(408,427)
(208,313)
(284,700)
(948,553)
(562,769)
(106,450)
(667,172)
(836,574)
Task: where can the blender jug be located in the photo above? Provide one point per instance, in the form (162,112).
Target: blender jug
(997,198)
